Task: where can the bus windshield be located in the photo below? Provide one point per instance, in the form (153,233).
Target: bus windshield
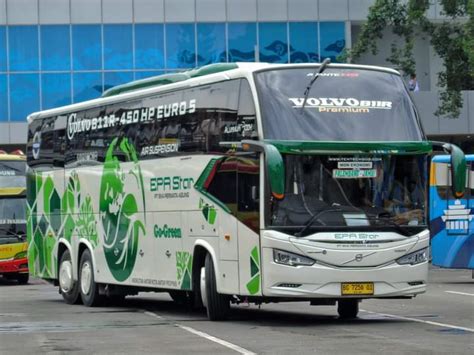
(344,104)
(12,174)
(323,193)
(12,210)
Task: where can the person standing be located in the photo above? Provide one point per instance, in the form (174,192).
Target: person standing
(413,83)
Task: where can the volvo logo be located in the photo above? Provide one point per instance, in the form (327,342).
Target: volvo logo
(36,145)
(358,257)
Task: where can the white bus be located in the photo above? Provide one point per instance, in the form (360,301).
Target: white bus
(234,182)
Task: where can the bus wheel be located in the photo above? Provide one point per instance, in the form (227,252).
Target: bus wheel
(68,288)
(23,278)
(217,305)
(89,289)
(348,309)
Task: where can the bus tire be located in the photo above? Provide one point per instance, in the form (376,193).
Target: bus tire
(217,305)
(68,288)
(88,288)
(23,278)
(348,309)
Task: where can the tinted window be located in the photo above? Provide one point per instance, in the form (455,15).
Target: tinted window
(56,90)
(180,46)
(342,105)
(273,42)
(236,184)
(242,41)
(47,142)
(55,49)
(180,122)
(24,96)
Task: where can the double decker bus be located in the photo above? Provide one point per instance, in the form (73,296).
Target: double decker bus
(451,218)
(13,245)
(232,183)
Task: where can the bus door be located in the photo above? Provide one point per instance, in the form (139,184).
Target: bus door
(451,219)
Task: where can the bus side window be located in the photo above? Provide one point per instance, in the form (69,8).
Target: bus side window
(246,114)
(442,180)
(224,183)
(248,198)
(46,142)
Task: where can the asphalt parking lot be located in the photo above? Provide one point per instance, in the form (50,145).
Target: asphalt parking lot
(33,319)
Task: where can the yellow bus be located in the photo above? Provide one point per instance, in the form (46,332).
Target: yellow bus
(13,244)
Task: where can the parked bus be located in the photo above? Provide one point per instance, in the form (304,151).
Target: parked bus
(13,245)
(451,219)
(234,183)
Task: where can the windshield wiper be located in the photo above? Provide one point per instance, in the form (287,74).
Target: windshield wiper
(322,67)
(314,218)
(14,234)
(388,218)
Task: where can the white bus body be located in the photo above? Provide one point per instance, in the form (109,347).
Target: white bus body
(135,191)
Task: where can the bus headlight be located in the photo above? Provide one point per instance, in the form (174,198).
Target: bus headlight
(290,259)
(419,256)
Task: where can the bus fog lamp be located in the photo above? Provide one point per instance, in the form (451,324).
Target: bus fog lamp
(290,259)
(414,258)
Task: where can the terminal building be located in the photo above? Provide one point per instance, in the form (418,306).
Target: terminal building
(58,52)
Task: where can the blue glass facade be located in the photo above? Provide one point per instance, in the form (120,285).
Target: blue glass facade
(45,66)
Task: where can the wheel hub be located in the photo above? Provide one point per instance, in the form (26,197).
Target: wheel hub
(86,278)
(202,285)
(65,276)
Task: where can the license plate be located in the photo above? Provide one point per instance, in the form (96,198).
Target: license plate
(357,288)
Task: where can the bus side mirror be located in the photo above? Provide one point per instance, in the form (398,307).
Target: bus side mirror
(458,167)
(458,171)
(273,164)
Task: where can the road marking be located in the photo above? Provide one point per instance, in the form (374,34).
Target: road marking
(206,336)
(444,325)
(461,293)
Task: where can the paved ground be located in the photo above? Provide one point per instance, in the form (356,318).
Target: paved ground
(33,319)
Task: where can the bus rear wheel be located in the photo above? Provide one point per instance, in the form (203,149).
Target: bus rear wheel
(217,305)
(68,288)
(348,309)
(88,288)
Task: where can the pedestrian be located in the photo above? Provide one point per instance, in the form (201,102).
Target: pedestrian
(413,83)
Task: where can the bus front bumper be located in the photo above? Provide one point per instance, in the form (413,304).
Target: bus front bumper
(323,281)
(14,266)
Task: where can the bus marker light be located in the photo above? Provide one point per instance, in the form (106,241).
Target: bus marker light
(278,196)
(227,237)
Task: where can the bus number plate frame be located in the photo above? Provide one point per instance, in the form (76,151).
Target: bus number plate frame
(357,288)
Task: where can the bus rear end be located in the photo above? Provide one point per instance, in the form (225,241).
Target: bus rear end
(13,245)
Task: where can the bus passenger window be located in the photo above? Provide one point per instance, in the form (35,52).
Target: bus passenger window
(224,184)
(248,199)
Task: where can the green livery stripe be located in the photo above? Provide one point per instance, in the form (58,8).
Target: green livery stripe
(200,183)
(315,147)
(253,286)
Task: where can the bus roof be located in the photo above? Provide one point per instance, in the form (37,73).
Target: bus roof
(200,76)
